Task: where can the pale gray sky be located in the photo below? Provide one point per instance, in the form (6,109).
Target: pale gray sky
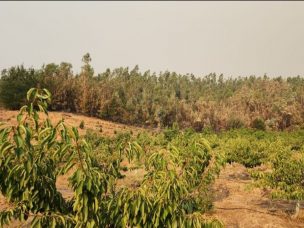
(233,38)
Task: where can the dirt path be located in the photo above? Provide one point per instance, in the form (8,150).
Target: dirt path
(237,206)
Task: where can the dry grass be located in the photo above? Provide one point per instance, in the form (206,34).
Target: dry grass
(108,128)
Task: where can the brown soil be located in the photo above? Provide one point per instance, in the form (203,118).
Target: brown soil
(238,205)
(108,128)
(234,204)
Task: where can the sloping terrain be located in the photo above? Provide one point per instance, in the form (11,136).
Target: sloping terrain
(106,128)
(234,203)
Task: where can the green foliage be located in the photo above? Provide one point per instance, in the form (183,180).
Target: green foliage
(59,80)
(285,177)
(171,132)
(247,147)
(146,99)
(234,123)
(28,157)
(282,156)
(174,190)
(173,193)
(14,84)
(245,152)
(258,124)
(81,125)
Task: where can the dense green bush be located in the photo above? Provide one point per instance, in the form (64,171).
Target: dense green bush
(258,124)
(244,151)
(246,146)
(14,84)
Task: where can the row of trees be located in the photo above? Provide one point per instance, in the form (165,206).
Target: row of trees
(33,153)
(133,97)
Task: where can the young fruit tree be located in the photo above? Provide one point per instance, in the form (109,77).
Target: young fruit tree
(35,152)
(286,177)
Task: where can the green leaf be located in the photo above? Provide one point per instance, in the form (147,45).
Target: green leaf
(29,93)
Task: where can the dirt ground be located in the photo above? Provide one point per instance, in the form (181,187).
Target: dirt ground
(238,206)
(235,204)
(106,128)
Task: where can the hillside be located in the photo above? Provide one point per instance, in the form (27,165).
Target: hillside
(149,100)
(234,204)
(105,128)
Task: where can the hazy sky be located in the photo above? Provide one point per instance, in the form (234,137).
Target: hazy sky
(233,38)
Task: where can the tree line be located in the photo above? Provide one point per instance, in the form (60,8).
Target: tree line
(160,100)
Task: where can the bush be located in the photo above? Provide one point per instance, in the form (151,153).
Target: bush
(286,177)
(171,132)
(234,123)
(258,124)
(81,125)
(244,151)
(15,82)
